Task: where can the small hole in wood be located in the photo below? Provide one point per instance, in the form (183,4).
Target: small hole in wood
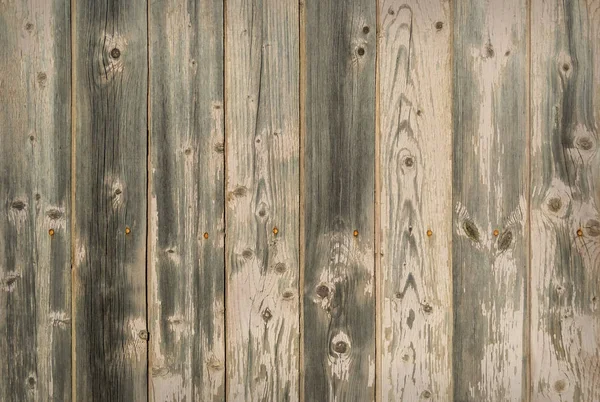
(360,51)
(427,308)
(267,315)
(409,162)
(31,382)
(566,67)
(439,25)
(31,138)
(366,30)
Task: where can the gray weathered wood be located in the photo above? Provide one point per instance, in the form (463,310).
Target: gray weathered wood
(490,197)
(339,183)
(35,159)
(565,194)
(110,139)
(416,199)
(262,197)
(186,218)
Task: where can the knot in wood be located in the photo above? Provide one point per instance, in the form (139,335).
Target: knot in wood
(439,25)
(323,291)
(427,308)
(360,51)
(340,347)
(505,240)
(366,30)
(554,204)
(426,394)
(143,334)
(267,315)
(471,230)
(115,53)
(593,227)
(18,205)
(584,143)
(280,268)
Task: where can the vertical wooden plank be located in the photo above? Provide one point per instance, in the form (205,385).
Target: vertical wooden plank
(110,112)
(416,199)
(339,130)
(565,193)
(35,159)
(490,169)
(262,142)
(186,241)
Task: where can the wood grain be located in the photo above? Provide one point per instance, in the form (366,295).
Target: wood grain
(565,106)
(110,112)
(339,182)
(262,198)
(416,192)
(490,197)
(186,217)
(35,159)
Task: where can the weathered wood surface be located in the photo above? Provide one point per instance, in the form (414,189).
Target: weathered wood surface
(110,139)
(565,194)
(35,159)
(490,195)
(339,180)
(186,218)
(416,200)
(262,199)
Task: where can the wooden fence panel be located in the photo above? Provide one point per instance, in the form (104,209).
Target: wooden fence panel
(565,194)
(35,194)
(490,196)
(416,199)
(262,199)
(339,213)
(110,139)
(186,264)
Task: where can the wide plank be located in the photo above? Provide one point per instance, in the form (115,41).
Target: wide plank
(109,243)
(262,199)
(339,48)
(186,265)
(415,157)
(565,197)
(35,212)
(490,247)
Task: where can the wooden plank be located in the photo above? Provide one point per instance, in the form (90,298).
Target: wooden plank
(490,196)
(416,199)
(35,158)
(339,183)
(565,194)
(262,152)
(186,222)
(110,112)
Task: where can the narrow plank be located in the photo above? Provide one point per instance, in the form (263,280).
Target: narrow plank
(262,213)
(109,211)
(490,197)
(565,194)
(186,222)
(339,183)
(35,158)
(416,192)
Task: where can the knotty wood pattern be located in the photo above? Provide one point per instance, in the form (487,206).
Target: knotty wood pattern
(416,192)
(339,130)
(186,218)
(35,127)
(490,196)
(110,109)
(565,105)
(262,198)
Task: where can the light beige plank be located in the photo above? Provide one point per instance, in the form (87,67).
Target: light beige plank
(415,92)
(262,199)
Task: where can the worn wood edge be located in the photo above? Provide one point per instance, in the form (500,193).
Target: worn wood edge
(73,177)
(226,270)
(149,185)
(377,205)
(529,285)
(451,162)
(302,198)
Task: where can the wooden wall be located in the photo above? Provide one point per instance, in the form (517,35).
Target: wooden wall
(283,200)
